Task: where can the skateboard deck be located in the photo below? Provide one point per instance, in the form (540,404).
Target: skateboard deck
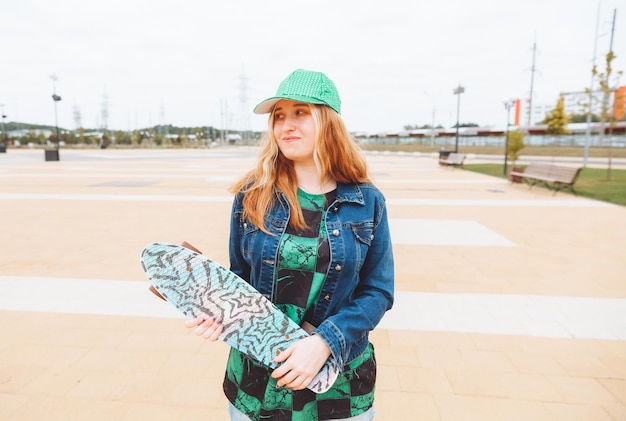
(200,287)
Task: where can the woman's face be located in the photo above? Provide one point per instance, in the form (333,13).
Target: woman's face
(295,130)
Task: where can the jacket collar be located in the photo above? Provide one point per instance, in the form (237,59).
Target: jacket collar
(349,193)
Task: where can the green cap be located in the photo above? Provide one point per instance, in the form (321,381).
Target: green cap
(304,86)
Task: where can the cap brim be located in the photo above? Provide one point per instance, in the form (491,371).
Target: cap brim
(267,106)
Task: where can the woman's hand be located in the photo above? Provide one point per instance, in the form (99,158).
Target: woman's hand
(210,329)
(301,362)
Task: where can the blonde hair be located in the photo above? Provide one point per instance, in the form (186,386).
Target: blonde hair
(336,156)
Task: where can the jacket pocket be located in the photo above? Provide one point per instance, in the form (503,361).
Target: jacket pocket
(364,234)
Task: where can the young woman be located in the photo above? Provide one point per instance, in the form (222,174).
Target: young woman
(310,231)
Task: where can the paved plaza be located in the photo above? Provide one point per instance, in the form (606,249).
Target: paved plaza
(510,301)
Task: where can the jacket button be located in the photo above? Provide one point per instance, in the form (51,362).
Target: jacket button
(245,225)
(338,268)
(372,237)
(335,209)
(327,297)
(336,233)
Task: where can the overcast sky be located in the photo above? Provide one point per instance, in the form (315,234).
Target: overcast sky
(185,62)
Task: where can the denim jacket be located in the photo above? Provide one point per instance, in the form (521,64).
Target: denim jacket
(359,285)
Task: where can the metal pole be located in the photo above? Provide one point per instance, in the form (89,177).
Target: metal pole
(56,122)
(4,142)
(458,91)
(432,129)
(606,94)
(612,113)
(56,98)
(532,82)
(4,131)
(588,130)
(508,105)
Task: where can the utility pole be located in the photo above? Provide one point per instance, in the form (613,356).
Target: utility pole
(593,65)
(244,113)
(224,119)
(508,105)
(606,100)
(532,83)
(77,118)
(432,128)
(104,112)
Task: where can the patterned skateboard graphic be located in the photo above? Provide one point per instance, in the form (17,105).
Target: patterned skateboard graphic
(200,287)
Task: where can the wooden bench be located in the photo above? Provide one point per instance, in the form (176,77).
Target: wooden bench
(453,159)
(556,177)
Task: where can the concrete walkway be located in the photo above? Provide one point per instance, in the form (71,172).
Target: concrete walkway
(511,303)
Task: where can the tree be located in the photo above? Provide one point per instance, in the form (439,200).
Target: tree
(582,118)
(607,83)
(557,119)
(515,145)
(423,126)
(122,138)
(470,124)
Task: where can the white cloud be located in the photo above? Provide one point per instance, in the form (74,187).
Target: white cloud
(392,61)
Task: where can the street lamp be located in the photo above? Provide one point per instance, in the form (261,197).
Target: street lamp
(4,133)
(4,140)
(458,91)
(508,105)
(56,98)
(53,154)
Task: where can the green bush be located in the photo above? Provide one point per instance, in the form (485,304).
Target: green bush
(515,145)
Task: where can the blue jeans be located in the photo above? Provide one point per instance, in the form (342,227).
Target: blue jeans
(237,415)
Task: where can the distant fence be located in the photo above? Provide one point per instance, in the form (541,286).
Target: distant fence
(616,141)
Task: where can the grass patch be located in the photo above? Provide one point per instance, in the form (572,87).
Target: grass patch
(592,182)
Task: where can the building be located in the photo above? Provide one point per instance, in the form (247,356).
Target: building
(578,103)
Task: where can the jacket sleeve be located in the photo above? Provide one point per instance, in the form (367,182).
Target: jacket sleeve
(372,297)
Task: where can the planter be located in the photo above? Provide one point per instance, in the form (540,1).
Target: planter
(444,154)
(515,178)
(52,154)
(3,148)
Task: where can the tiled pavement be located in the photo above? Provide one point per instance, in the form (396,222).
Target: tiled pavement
(511,303)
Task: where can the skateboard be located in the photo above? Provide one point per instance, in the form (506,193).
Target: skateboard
(200,287)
